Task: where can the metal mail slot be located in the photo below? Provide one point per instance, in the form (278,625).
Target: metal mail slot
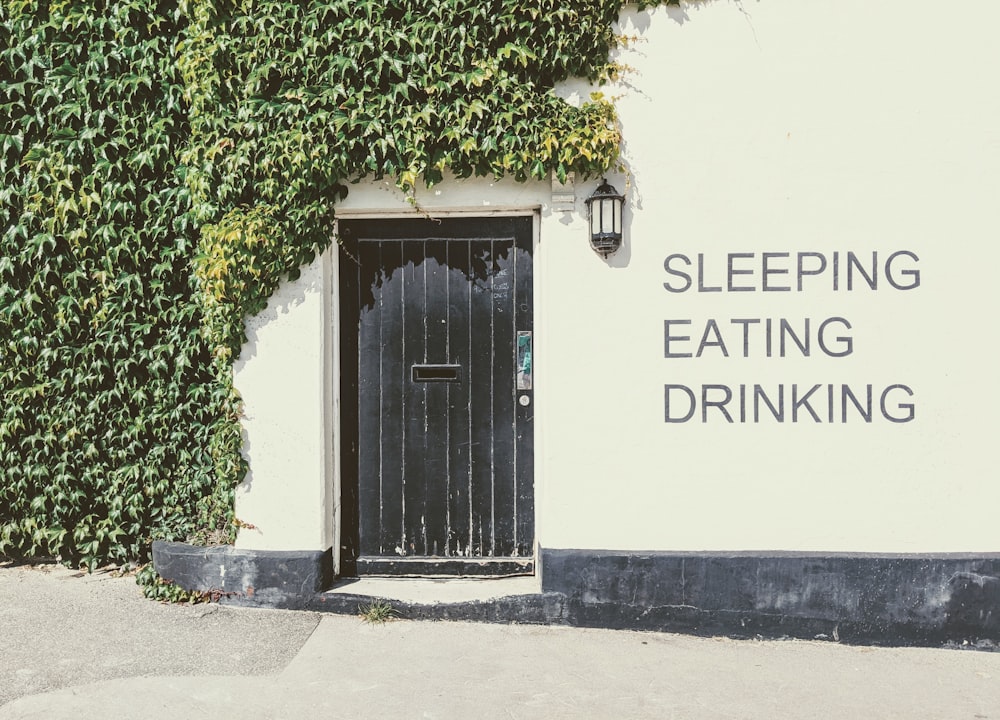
(436,373)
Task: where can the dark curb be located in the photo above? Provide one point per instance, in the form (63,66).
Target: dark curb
(533,609)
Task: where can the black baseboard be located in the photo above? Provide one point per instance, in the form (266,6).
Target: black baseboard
(268,576)
(893,600)
(949,600)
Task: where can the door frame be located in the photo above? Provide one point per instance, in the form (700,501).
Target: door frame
(340,564)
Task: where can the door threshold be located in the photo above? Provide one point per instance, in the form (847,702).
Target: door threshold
(436,591)
(424,566)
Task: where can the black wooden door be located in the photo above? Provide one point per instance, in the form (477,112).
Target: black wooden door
(437,401)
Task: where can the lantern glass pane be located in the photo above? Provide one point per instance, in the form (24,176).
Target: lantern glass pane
(617,216)
(607,215)
(595,218)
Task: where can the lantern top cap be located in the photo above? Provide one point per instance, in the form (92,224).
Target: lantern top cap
(605,191)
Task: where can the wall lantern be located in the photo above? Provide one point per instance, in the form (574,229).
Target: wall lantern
(605,209)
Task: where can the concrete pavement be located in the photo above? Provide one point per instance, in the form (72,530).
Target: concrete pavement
(79,646)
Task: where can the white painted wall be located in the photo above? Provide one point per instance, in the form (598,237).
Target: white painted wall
(776,126)
(283,376)
(785,126)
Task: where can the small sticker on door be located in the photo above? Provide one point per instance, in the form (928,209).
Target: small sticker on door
(524,360)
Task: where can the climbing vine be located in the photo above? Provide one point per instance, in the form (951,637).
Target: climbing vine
(164,165)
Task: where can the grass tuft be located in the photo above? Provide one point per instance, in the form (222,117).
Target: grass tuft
(377,612)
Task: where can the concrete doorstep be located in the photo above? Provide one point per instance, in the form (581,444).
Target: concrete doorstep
(91,647)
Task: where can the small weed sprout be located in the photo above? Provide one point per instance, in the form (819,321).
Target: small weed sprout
(377,612)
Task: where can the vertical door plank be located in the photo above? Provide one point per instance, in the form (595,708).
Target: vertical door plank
(481,398)
(524,530)
(437,469)
(414,397)
(392,407)
(351,301)
(504,387)
(459,452)
(370,276)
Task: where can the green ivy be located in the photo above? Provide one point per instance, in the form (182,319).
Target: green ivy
(291,102)
(164,165)
(109,397)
